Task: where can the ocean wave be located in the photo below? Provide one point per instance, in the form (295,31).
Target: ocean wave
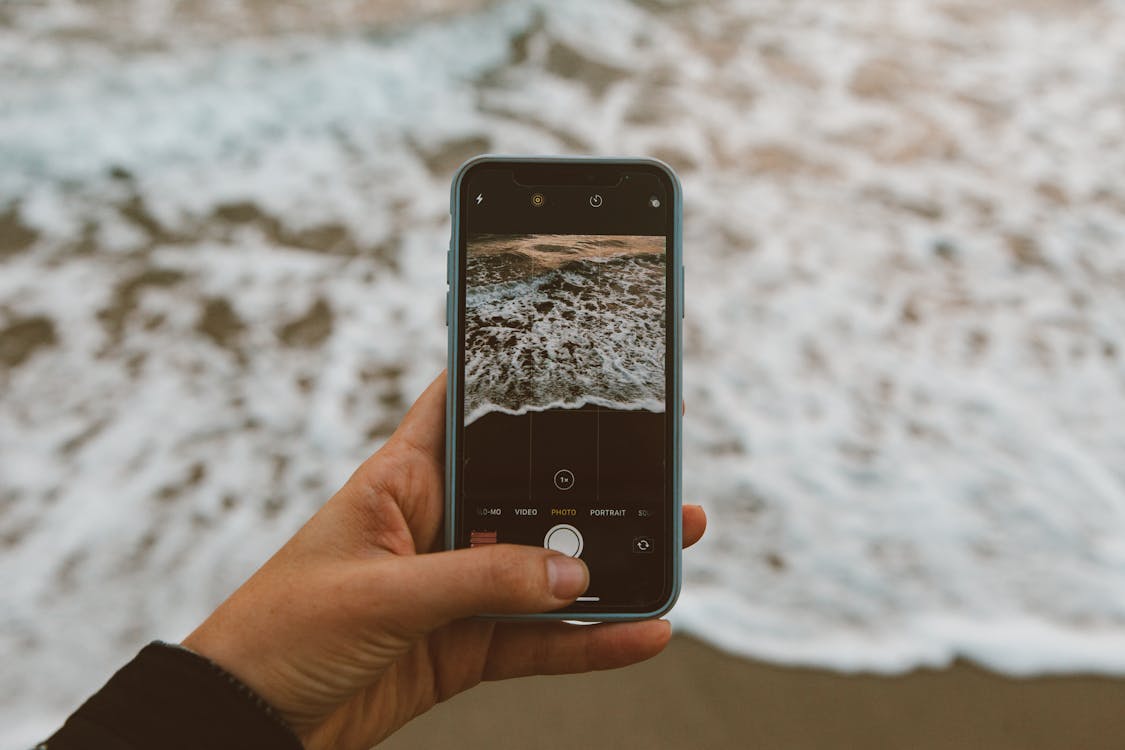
(577,332)
(903,354)
(653,406)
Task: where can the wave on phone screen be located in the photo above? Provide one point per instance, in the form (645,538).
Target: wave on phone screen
(564,321)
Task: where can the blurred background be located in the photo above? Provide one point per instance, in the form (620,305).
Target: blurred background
(222,237)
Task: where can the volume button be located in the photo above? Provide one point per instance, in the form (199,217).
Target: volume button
(447,308)
(683,296)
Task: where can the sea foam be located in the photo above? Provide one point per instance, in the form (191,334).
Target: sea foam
(562,322)
(904,368)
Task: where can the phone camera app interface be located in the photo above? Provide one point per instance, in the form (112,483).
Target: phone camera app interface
(564,432)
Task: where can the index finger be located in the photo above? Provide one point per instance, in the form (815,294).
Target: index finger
(423,427)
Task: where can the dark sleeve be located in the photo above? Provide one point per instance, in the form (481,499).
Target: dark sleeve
(173,699)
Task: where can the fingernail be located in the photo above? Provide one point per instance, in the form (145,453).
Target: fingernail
(566,576)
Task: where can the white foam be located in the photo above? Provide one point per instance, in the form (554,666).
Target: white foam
(1020,646)
(651,405)
(544,330)
(904,368)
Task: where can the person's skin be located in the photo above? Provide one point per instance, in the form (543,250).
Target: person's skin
(358,624)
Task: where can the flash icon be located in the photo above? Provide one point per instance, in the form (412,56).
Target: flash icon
(480,197)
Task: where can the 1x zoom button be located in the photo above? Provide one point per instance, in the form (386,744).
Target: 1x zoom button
(564,479)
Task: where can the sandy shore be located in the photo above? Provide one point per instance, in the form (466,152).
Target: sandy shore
(694,696)
(222,283)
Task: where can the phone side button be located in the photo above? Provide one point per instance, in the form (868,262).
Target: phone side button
(447,309)
(683,296)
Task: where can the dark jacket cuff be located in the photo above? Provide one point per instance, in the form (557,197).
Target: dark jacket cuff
(169,697)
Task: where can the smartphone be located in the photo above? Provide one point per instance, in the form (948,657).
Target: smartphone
(564,391)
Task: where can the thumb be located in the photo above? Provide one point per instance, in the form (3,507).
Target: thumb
(434,589)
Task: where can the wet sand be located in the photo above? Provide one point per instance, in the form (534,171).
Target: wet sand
(693,696)
(222,241)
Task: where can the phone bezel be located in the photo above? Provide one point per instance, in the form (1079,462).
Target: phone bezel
(675,329)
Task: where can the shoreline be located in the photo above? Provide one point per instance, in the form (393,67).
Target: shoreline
(694,695)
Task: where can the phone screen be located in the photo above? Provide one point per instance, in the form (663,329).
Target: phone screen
(566,412)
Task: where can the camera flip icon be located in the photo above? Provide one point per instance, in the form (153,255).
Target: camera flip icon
(643,544)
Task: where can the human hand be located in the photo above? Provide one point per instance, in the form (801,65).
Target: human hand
(357,624)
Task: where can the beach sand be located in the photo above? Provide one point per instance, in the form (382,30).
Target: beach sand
(694,696)
(223,229)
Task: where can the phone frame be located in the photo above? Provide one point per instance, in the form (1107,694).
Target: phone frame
(675,370)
